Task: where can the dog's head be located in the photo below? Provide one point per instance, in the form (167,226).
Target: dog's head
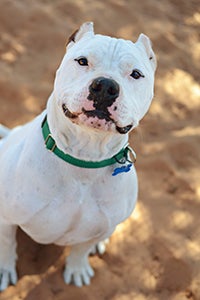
(105,83)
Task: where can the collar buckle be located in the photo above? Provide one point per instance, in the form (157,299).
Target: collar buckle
(50,142)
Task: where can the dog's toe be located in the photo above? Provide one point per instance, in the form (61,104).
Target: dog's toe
(7,278)
(78,276)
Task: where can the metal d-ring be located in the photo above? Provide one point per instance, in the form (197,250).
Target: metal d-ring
(133,154)
(125,159)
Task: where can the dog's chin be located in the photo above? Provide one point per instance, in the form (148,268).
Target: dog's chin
(95,119)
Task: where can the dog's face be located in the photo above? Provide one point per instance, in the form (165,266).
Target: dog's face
(105,83)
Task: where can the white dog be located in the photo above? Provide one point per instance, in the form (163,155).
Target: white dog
(66,177)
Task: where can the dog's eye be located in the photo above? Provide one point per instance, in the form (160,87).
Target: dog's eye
(82,61)
(136,74)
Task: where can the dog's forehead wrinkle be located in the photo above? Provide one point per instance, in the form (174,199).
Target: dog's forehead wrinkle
(118,50)
(115,49)
(111,54)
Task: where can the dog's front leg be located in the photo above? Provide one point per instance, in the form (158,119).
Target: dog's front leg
(8,255)
(78,270)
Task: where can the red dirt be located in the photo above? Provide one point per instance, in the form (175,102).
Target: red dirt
(155,254)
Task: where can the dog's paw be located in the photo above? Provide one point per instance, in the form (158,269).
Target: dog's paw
(78,275)
(99,248)
(7,277)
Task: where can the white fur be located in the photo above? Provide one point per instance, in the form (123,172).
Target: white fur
(4,131)
(53,201)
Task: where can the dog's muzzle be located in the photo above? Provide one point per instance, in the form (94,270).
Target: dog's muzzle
(103,92)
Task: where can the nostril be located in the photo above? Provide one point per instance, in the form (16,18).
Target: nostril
(96,86)
(112,90)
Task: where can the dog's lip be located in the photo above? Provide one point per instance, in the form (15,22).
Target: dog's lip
(68,113)
(98,113)
(125,129)
(103,115)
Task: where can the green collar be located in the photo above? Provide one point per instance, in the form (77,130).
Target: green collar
(121,157)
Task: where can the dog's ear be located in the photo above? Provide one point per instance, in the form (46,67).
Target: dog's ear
(145,42)
(86,30)
(72,37)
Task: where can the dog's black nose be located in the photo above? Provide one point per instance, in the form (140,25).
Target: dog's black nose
(103,91)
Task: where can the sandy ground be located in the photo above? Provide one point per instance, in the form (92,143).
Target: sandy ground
(155,254)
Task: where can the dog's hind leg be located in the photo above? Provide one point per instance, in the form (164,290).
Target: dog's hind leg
(8,255)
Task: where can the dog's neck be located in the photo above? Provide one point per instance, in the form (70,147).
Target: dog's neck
(80,141)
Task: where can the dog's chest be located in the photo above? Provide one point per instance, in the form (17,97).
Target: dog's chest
(78,213)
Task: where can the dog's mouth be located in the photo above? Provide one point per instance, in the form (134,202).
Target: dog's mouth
(101,115)
(68,113)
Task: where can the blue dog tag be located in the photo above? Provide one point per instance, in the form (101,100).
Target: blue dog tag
(122,169)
